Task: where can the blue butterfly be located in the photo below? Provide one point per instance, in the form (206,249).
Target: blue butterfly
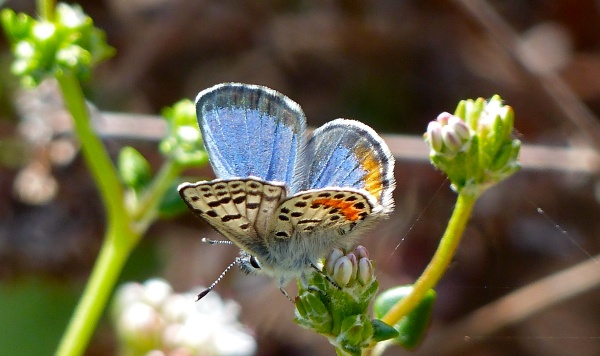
(286,201)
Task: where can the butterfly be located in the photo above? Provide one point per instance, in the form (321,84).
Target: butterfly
(285,199)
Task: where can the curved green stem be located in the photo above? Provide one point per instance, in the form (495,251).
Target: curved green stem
(145,211)
(109,264)
(95,154)
(119,239)
(440,261)
(46,9)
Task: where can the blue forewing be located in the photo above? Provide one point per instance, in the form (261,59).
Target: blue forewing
(250,130)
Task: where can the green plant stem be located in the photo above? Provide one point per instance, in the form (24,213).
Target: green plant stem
(95,154)
(145,211)
(440,261)
(110,262)
(46,9)
(120,238)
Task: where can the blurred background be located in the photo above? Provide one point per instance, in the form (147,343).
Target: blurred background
(391,64)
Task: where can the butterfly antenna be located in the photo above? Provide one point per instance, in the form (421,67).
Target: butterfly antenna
(216,242)
(236,262)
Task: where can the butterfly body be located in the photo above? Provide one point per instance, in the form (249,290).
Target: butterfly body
(286,201)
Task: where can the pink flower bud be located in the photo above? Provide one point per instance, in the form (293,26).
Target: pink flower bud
(443,118)
(361,252)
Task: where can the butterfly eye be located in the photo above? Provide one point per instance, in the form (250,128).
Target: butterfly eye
(254,262)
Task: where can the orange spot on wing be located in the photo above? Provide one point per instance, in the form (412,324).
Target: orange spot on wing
(348,209)
(372,166)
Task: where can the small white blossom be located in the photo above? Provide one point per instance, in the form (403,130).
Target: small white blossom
(152,320)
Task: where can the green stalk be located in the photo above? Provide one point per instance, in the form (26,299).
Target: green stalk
(46,9)
(109,264)
(440,261)
(147,206)
(95,154)
(120,238)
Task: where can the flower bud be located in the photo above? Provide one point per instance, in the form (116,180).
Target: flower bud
(331,259)
(140,326)
(361,252)
(443,118)
(71,16)
(434,135)
(354,262)
(460,128)
(365,271)
(477,150)
(342,271)
(355,331)
(176,308)
(43,30)
(312,313)
(451,139)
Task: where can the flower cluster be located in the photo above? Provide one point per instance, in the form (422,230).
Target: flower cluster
(334,302)
(68,43)
(352,267)
(448,134)
(474,146)
(183,141)
(151,318)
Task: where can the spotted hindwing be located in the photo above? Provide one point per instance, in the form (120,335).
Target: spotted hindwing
(238,208)
(320,209)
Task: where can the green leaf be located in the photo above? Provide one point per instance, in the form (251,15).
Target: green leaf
(312,313)
(412,327)
(383,331)
(134,169)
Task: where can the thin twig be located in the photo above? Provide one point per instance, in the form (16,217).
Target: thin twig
(404,147)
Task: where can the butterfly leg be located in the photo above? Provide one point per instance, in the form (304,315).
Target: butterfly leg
(325,276)
(216,242)
(286,295)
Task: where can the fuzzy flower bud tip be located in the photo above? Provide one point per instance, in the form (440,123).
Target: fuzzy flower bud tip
(459,127)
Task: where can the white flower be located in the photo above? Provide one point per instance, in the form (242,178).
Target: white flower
(153,319)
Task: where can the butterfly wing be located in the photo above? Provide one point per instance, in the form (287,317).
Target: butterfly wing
(237,208)
(350,184)
(254,137)
(250,130)
(350,154)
